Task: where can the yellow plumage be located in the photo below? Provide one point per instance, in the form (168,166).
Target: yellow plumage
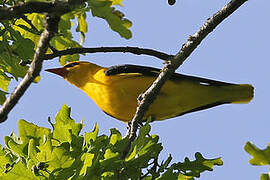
(115,90)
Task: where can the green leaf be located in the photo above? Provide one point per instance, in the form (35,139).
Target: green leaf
(64,39)
(87,159)
(27,31)
(45,150)
(29,131)
(183,177)
(15,147)
(65,126)
(115,136)
(194,168)
(108,175)
(65,25)
(19,172)
(5,161)
(24,48)
(82,25)
(10,63)
(260,157)
(144,130)
(62,43)
(100,143)
(169,174)
(132,154)
(4,81)
(141,140)
(63,153)
(61,157)
(32,151)
(104,9)
(2,96)
(265,177)
(117,2)
(91,136)
(68,58)
(165,164)
(110,154)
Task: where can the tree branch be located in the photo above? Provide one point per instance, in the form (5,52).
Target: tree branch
(54,7)
(193,41)
(51,27)
(134,50)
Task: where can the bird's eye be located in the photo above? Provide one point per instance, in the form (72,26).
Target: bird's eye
(71,65)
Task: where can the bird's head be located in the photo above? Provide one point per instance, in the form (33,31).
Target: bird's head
(77,72)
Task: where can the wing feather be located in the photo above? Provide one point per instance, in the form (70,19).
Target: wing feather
(154,72)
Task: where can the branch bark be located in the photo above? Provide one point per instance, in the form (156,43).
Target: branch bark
(51,27)
(134,50)
(148,97)
(55,7)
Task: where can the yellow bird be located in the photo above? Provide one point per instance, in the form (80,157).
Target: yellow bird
(115,90)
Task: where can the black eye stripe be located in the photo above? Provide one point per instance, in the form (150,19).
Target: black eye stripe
(71,64)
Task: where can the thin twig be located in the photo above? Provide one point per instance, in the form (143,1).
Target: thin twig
(193,41)
(53,49)
(25,18)
(51,26)
(134,50)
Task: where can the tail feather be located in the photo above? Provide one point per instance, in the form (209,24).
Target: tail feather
(242,93)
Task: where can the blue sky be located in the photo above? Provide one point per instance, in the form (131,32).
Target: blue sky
(236,51)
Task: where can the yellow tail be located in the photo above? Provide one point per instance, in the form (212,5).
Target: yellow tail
(242,93)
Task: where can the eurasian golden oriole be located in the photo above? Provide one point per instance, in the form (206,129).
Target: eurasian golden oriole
(115,90)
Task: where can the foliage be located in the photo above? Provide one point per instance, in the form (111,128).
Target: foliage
(259,157)
(62,153)
(19,37)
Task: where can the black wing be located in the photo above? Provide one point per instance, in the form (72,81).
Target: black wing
(128,68)
(154,72)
